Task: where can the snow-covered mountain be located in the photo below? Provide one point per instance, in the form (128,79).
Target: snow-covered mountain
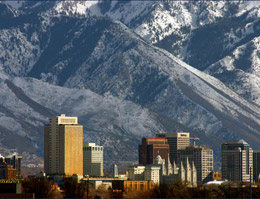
(199,32)
(240,70)
(53,43)
(169,24)
(27,103)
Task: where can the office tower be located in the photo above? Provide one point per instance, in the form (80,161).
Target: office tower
(93,159)
(176,141)
(256,165)
(7,171)
(63,143)
(202,158)
(115,171)
(151,148)
(237,161)
(16,162)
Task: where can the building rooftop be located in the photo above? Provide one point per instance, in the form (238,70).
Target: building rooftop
(242,141)
(156,138)
(91,144)
(173,134)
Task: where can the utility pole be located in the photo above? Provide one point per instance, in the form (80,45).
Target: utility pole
(250,173)
(87,186)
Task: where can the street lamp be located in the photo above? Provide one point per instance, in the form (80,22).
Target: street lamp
(87,186)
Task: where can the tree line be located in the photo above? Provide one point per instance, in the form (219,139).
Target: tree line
(44,188)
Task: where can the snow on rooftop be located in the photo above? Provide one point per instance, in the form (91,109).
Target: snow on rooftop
(215,182)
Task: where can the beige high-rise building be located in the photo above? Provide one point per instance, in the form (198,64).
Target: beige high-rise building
(237,161)
(92,159)
(202,158)
(176,141)
(63,143)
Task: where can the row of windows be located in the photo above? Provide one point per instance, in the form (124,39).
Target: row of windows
(68,120)
(93,148)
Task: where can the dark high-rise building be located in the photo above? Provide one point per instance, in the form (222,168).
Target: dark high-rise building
(176,141)
(152,147)
(237,161)
(256,165)
(16,162)
(202,158)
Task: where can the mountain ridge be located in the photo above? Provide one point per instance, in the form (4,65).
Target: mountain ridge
(96,56)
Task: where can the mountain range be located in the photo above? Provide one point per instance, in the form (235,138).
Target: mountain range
(130,69)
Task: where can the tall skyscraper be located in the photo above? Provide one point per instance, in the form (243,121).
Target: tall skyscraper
(202,158)
(63,143)
(256,165)
(93,159)
(176,141)
(15,161)
(237,161)
(151,148)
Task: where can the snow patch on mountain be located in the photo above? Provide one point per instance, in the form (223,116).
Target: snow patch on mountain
(242,66)
(78,8)
(78,102)
(23,51)
(154,20)
(15,4)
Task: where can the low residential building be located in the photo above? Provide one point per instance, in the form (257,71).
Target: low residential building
(96,182)
(13,189)
(138,185)
(136,172)
(149,172)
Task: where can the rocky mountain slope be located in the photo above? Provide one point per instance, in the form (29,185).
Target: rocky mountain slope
(158,91)
(199,32)
(240,70)
(27,103)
